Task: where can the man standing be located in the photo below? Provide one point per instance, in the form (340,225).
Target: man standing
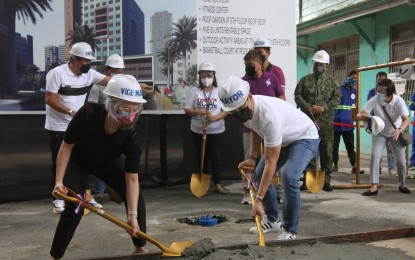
(290,142)
(317,94)
(66,89)
(342,115)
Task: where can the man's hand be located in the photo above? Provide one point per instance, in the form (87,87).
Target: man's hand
(314,109)
(146,88)
(258,209)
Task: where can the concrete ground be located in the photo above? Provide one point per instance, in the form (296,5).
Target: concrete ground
(27,228)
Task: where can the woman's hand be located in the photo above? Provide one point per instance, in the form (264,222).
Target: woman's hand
(396,134)
(210,117)
(201,112)
(132,221)
(60,188)
(258,209)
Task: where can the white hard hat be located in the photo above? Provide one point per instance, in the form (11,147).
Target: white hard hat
(115,61)
(407,71)
(125,87)
(262,42)
(233,93)
(83,50)
(206,66)
(322,57)
(377,124)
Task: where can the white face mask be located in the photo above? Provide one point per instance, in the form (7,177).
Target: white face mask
(207,81)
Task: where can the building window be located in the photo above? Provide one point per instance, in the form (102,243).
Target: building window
(344,56)
(117,24)
(117,8)
(117,16)
(403,46)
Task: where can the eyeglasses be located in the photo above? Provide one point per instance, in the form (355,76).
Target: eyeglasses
(129,110)
(239,108)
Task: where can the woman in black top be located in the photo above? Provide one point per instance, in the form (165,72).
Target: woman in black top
(103,141)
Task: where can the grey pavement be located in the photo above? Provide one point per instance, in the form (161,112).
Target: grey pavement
(27,227)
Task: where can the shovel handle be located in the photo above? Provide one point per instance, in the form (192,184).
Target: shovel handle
(252,196)
(114,220)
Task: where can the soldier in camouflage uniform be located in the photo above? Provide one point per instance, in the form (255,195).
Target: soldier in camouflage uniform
(317,94)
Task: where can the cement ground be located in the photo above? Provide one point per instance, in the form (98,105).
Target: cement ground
(27,228)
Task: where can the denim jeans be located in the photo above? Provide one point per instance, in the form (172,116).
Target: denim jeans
(291,164)
(99,187)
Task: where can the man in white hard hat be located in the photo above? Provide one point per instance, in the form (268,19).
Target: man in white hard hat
(290,142)
(114,65)
(263,46)
(103,141)
(66,89)
(317,95)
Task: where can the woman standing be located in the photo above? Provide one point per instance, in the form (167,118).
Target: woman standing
(203,105)
(383,103)
(103,141)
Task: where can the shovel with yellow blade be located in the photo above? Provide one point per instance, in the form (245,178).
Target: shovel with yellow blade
(199,183)
(315,179)
(175,249)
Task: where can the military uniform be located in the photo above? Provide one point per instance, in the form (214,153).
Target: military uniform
(321,90)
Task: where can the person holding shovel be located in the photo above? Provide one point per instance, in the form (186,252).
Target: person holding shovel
(103,141)
(290,142)
(203,106)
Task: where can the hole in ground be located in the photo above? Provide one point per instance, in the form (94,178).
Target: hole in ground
(194,220)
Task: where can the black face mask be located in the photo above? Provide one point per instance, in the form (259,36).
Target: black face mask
(250,70)
(243,115)
(318,69)
(85,68)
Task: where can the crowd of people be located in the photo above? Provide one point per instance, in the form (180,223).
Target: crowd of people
(91,117)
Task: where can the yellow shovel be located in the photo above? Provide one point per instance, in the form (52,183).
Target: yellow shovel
(252,195)
(315,179)
(199,183)
(175,249)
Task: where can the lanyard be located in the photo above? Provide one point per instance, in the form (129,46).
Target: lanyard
(207,99)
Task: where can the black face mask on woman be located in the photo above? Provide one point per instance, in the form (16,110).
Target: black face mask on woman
(250,70)
(243,114)
(85,68)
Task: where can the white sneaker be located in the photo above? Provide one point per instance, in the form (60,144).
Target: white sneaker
(94,203)
(58,206)
(246,199)
(267,226)
(286,235)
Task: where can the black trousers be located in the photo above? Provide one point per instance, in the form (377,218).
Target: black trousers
(348,139)
(76,176)
(55,141)
(213,153)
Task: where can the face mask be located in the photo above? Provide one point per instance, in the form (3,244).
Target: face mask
(318,69)
(381,97)
(207,81)
(250,70)
(125,118)
(350,82)
(243,115)
(85,68)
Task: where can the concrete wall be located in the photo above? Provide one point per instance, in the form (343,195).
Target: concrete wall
(377,27)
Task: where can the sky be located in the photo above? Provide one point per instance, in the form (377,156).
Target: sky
(50,30)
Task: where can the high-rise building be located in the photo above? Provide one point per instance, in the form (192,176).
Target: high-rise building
(72,16)
(118,24)
(24,50)
(62,54)
(51,56)
(161,30)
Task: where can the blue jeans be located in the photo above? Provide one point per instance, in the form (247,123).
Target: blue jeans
(99,187)
(291,164)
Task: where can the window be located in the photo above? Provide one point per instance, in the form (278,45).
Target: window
(344,56)
(403,46)
(117,16)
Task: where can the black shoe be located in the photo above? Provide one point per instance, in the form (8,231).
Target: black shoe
(354,171)
(404,190)
(327,187)
(335,168)
(303,187)
(370,193)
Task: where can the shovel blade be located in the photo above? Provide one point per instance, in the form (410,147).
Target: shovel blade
(176,248)
(199,184)
(315,181)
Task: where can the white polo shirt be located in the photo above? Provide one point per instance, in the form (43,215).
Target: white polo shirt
(72,91)
(278,122)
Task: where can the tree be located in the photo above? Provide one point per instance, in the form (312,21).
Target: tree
(168,55)
(191,75)
(83,33)
(185,36)
(31,77)
(24,9)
